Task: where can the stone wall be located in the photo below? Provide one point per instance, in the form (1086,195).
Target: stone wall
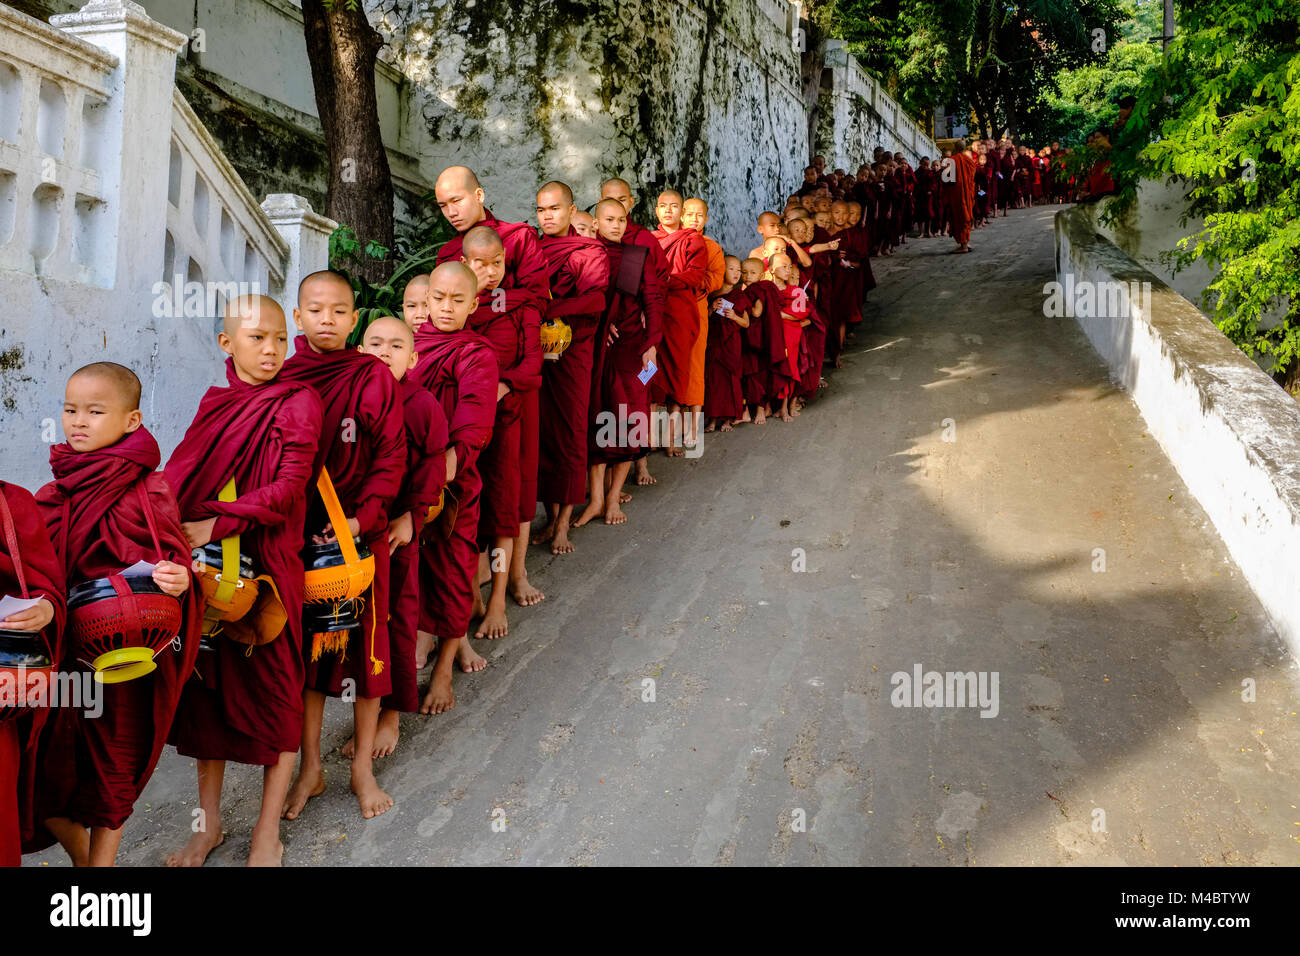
(701,96)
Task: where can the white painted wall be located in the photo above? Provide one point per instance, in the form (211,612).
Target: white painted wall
(1230,431)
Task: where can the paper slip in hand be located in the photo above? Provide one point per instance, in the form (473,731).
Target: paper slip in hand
(141,569)
(647,373)
(723,305)
(9,606)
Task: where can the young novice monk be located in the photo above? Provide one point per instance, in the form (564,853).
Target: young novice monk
(32,572)
(764,368)
(458,367)
(625,350)
(393,343)
(794,316)
(261,433)
(723,399)
(106,510)
(514,334)
(363,447)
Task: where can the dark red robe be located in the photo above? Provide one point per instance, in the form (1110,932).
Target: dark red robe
(525,279)
(620,403)
(92,770)
(42,573)
(363,445)
(460,370)
(959,196)
(248,707)
(579,280)
(765,373)
(426,476)
(688,266)
(723,397)
(514,337)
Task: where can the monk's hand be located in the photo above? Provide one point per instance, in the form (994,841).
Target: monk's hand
(451,464)
(354,529)
(33,619)
(647,358)
(400,531)
(833,244)
(171,578)
(730,314)
(198,533)
(613,334)
(502,390)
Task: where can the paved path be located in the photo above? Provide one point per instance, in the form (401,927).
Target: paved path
(1119,691)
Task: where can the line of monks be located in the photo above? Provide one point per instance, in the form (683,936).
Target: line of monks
(434,442)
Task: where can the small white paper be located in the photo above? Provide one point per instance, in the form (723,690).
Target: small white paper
(141,569)
(9,606)
(722,306)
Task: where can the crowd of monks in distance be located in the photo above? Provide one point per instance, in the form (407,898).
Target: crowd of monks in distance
(534,364)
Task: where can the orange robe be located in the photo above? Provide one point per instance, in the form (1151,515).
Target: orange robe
(688,260)
(714,274)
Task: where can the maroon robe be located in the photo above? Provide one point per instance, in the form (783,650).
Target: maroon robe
(579,280)
(765,373)
(42,573)
(426,476)
(248,707)
(723,397)
(620,403)
(525,279)
(92,770)
(850,277)
(515,339)
(688,265)
(363,445)
(812,344)
(959,196)
(460,370)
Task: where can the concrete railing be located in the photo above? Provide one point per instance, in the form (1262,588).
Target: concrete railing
(864,116)
(1230,431)
(53,150)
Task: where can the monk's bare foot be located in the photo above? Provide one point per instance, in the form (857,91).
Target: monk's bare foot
(728,427)
(786,417)
(593,510)
(712,426)
(614,515)
(309,783)
(195,852)
(744,419)
(350,748)
(643,476)
(494,624)
(480,607)
(423,648)
(469,660)
(372,800)
(561,544)
(387,735)
(524,594)
(439,697)
(624,497)
(674,452)
(266,850)
(760,417)
(546,534)
(839,362)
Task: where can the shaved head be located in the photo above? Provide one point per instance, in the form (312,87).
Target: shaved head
(619,189)
(584,223)
(252,311)
(670,194)
(606,204)
(453,272)
(460,197)
(325,276)
(458,177)
(119,378)
(482,239)
(614,183)
(566,194)
(390,327)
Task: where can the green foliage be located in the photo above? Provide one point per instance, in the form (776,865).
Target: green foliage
(417,254)
(1226,107)
(1089,96)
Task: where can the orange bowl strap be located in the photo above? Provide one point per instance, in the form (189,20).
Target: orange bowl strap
(338,520)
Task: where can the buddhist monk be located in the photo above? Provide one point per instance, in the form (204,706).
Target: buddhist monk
(625,353)
(513,334)
(794,316)
(764,368)
(959,195)
(769,227)
(106,510)
(461,199)
(363,448)
(579,278)
(261,434)
(683,330)
(584,224)
(459,367)
(392,342)
(695,215)
(30,570)
(657,288)
(724,402)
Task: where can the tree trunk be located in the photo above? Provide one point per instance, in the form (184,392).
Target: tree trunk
(812,67)
(342,48)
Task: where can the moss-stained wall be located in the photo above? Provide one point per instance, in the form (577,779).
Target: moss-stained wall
(702,92)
